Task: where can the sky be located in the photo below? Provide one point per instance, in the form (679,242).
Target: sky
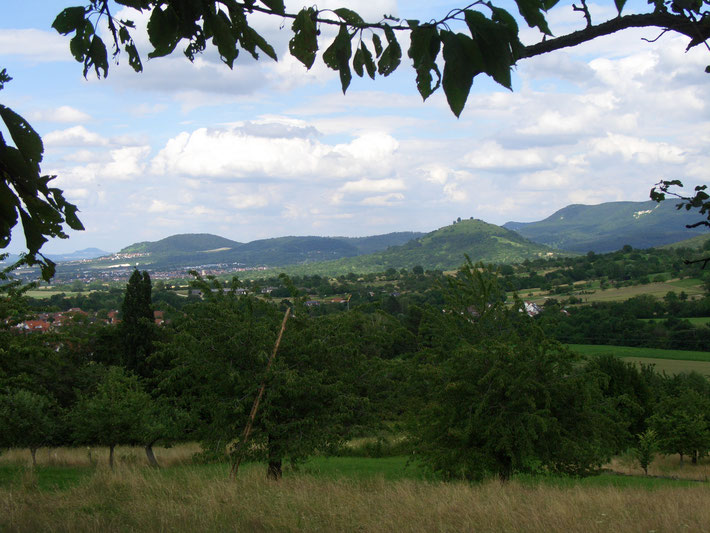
(270,149)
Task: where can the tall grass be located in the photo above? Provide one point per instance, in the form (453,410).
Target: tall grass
(97,455)
(140,499)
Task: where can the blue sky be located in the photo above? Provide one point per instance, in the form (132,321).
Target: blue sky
(270,149)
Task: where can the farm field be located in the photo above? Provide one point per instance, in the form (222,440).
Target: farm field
(335,494)
(668,361)
(691,286)
(695,320)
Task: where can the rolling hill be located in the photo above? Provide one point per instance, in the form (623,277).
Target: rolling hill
(184,250)
(609,226)
(444,249)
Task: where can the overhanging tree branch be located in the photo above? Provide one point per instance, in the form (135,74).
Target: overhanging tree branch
(698,32)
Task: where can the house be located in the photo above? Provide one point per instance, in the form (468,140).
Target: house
(158,318)
(532,309)
(35,325)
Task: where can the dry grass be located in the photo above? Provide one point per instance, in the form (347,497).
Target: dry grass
(90,456)
(198,498)
(138,499)
(666,466)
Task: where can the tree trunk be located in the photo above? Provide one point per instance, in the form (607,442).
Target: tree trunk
(505,468)
(110,456)
(150,455)
(681,458)
(274,471)
(694,460)
(33,451)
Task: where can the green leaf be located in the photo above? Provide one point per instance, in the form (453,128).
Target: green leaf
(619,5)
(69,20)
(462,61)
(163,31)
(26,139)
(98,57)
(80,44)
(377,43)
(220,27)
(304,43)
(423,50)
(33,232)
(530,10)
(359,62)
(4,78)
(492,41)
(129,46)
(391,56)
(256,39)
(337,57)
(368,60)
(349,16)
(277,6)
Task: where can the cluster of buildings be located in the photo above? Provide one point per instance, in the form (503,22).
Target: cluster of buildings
(45,322)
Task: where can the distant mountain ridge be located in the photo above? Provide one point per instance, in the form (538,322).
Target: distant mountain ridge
(609,226)
(203,248)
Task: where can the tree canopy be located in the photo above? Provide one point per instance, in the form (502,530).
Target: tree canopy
(447,53)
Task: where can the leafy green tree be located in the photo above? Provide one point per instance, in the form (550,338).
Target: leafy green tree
(628,391)
(137,325)
(645,450)
(502,397)
(27,420)
(324,382)
(116,413)
(682,423)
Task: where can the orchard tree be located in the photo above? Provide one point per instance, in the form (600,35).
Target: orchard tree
(447,53)
(116,413)
(498,396)
(27,420)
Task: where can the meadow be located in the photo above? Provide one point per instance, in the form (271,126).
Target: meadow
(668,361)
(68,492)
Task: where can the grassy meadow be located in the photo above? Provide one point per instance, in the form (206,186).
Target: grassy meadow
(669,361)
(68,492)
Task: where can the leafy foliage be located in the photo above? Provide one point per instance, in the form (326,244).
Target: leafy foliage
(27,420)
(137,323)
(25,194)
(504,398)
(114,414)
(488,45)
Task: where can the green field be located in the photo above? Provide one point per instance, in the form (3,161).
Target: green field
(695,320)
(669,361)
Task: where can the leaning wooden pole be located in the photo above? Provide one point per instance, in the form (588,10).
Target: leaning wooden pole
(257,400)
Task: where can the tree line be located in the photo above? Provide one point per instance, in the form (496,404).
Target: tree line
(475,386)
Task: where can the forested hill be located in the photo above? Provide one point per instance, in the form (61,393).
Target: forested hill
(444,249)
(188,242)
(196,249)
(609,226)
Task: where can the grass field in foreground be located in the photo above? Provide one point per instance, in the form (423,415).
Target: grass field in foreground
(201,498)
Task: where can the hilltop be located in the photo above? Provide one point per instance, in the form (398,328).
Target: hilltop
(444,249)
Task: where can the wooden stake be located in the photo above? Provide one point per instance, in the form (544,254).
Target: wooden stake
(257,400)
